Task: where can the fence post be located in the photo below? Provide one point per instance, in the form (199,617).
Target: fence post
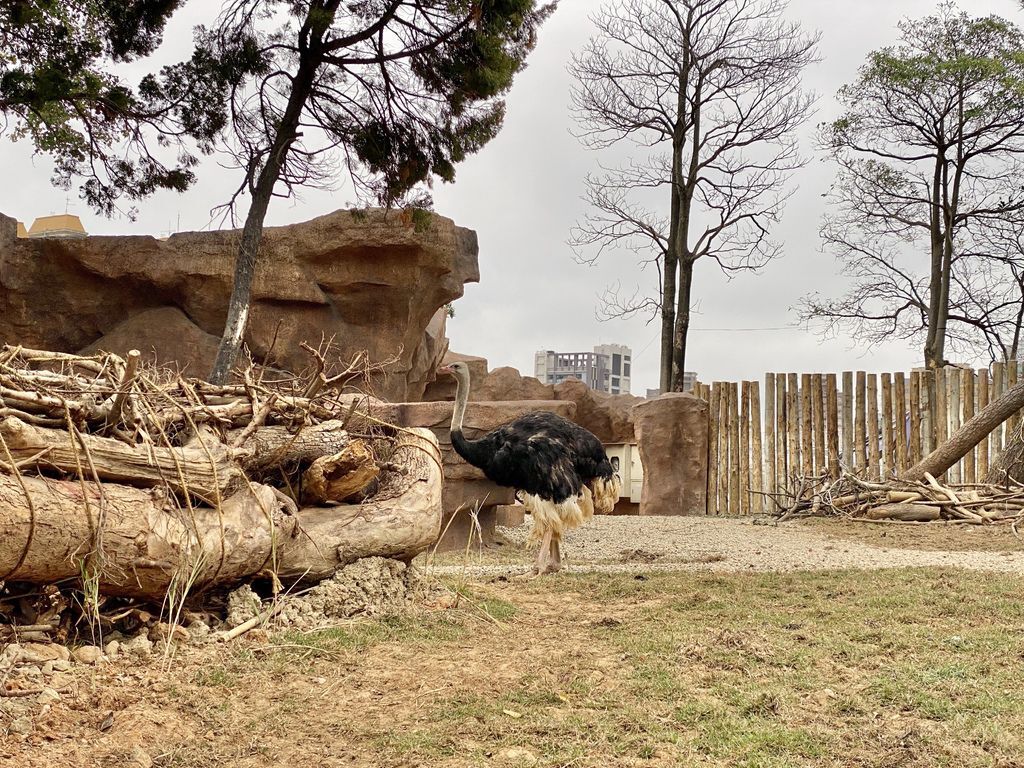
(818,415)
(888,451)
(953,407)
(899,405)
(713,433)
(872,424)
(970,474)
(734,449)
(756,451)
(860,429)
(745,449)
(832,424)
(928,414)
(781,454)
(724,464)
(806,426)
(793,425)
(769,432)
(915,454)
(984,447)
(847,421)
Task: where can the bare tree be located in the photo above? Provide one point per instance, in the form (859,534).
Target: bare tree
(709,94)
(930,152)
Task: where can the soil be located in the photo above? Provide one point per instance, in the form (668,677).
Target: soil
(286,696)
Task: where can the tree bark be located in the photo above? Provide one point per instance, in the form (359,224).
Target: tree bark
(145,542)
(207,473)
(969,435)
(682,328)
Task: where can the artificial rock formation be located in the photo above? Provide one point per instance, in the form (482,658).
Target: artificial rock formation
(672,434)
(372,280)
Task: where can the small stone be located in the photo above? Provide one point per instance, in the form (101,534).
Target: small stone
(40,653)
(112,649)
(61,665)
(517,756)
(10,651)
(139,758)
(88,654)
(61,680)
(162,630)
(47,668)
(140,645)
(48,696)
(22,726)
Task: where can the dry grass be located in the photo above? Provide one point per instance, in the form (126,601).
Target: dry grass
(909,668)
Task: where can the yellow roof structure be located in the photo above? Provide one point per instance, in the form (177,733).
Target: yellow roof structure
(22,232)
(57,225)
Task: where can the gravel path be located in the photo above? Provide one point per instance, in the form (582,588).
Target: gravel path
(628,544)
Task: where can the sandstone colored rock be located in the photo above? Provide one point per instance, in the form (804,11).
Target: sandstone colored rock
(672,434)
(371,280)
(610,417)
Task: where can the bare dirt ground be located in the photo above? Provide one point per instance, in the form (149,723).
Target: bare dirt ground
(665,643)
(626,544)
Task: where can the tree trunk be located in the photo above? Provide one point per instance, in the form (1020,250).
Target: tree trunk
(668,321)
(682,327)
(147,543)
(252,233)
(969,435)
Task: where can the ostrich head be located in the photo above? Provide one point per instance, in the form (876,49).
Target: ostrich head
(460,371)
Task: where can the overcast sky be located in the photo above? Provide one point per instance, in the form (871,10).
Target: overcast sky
(522,194)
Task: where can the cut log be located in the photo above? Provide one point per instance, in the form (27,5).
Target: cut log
(150,541)
(207,473)
(340,477)
(905,512)
(273,446)
(969,435)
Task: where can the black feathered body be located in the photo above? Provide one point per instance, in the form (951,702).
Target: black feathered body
(541,454)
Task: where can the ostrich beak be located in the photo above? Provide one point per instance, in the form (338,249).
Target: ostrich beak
(446,369)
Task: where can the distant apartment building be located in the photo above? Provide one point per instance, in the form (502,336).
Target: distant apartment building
(606,369)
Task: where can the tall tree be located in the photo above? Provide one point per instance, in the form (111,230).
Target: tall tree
(57,89)
(710,89)
(394,92)
(930,150)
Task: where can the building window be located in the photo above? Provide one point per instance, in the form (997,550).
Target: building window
(616,364)
(625,368)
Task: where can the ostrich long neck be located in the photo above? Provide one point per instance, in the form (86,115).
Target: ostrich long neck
(467,449)
(461,398)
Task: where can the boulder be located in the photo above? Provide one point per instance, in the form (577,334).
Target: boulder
(508,384)
(370,280)
(610,417)
(672,435)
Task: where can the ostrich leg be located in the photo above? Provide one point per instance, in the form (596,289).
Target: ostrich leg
(544,564)
(555,562)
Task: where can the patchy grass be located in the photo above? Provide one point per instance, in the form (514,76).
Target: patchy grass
(907,667)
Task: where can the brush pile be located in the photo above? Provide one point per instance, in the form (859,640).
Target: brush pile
(136,480)
(896,500)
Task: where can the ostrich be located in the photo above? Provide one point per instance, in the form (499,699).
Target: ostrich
(560,468)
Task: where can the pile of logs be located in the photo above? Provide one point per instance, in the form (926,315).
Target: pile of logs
(907,501)
(143,481)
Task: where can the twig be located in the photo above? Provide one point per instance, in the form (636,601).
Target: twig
(252,623)
(124,388)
